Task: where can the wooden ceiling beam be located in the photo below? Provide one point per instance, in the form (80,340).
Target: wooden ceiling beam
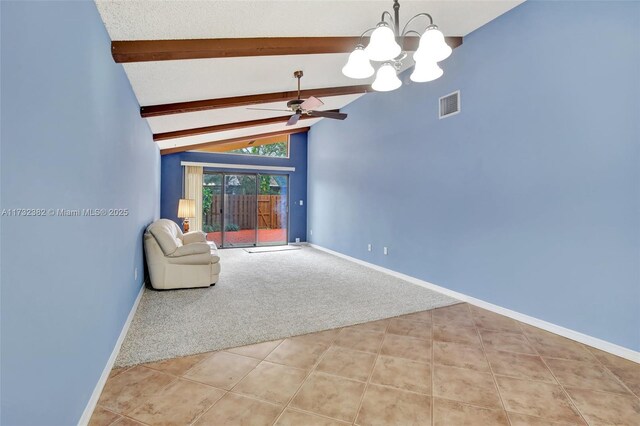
(171,50)
(183,148)
(246,100)
(227,126)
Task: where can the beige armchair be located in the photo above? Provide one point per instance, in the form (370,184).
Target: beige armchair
(178,260)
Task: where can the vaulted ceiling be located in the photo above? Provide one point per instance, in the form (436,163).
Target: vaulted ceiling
(196,66)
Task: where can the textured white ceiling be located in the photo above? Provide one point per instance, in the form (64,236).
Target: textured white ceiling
(195,79)
(179,81)
(214,117)
(183,19)
(229,134)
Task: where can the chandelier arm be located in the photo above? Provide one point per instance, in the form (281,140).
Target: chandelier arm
(364,33)
(412,32)
(407,33)
(411,20)
(394,24)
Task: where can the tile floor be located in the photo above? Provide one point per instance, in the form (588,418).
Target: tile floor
(458,365)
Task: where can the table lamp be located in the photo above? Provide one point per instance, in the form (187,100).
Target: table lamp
(186,210)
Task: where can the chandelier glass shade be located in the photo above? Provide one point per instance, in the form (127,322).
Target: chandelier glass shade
(386,46)
(383,46)
(426,71)
(358,65)
(432,46)
(386,79)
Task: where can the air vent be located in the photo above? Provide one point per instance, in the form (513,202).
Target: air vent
(450,104)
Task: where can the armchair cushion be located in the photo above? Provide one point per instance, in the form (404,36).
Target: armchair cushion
(189,249)
(167,234)
(195,259)
(194,237)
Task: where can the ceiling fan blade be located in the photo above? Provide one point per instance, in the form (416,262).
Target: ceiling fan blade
(311,103)
(269,109)
(293,120)
(328,114)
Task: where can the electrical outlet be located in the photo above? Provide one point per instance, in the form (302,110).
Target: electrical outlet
(301,202)
(135,274)
(386,252)
(310,231)
(297,240)
(368,247)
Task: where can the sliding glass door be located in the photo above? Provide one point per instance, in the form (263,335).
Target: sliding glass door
(240,204)
(273,209)
(244,210)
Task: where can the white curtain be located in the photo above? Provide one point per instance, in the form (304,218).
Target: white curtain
(193,191)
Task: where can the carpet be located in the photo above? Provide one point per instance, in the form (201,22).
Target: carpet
(270,249)
(267,297)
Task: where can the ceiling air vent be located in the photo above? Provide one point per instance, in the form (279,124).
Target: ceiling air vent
(450,104)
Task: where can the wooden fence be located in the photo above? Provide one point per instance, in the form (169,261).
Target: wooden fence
(241,211)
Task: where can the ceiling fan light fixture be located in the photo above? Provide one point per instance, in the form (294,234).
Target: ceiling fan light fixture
(432,47)
(358,65)
(386,79)
(382,45)
(305,107)
(426,71)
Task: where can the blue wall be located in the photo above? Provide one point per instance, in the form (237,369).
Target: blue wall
(72,138)
(530,197)
(172,179)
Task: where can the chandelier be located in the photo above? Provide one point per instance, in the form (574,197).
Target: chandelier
(383,47)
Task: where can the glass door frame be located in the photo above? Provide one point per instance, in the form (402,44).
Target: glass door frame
(221,212)
(287,177)
(223,175)
(224,213)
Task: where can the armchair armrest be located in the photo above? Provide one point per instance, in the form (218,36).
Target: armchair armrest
(189,249)
(194,237)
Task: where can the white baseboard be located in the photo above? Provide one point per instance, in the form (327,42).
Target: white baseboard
(553,328)
(91,405)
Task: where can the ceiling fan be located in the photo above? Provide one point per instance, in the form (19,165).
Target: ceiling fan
(301,107)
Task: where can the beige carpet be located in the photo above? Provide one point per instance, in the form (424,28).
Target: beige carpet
(268,296)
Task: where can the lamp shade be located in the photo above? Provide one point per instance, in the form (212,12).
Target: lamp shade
(358,65)
(386,79)
(426,71)
(382,45)
(432,47)
(186,208)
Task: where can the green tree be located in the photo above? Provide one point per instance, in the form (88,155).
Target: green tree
(278,149)
(207,198)
(212,186)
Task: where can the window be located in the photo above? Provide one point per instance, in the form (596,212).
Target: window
(275,146)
